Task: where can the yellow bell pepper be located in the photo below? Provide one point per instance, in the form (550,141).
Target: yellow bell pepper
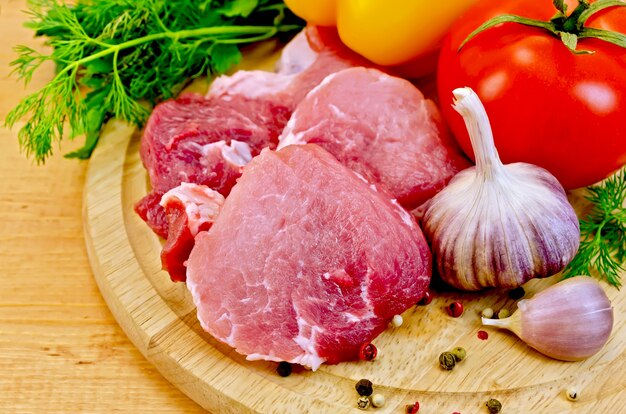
(317,12)
(387,32)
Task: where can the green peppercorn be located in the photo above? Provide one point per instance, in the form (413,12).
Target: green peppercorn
(459,353)
(284,369)
(363,403)
(494,406)
(364,387)
(503,314)
(447,360)
(487,313)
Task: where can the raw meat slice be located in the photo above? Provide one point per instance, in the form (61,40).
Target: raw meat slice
(150,211)
(383,128)
(306,261)
(204,141)
(189,208)
(174,146)
(296,56)
(251,107)
(302,71)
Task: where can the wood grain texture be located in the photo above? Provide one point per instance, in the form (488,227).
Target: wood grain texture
(61,350)
(159,317)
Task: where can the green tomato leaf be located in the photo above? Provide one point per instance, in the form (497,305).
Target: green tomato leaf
(596,7)
(508,18)
(618,39)
(560,6)
(570,40)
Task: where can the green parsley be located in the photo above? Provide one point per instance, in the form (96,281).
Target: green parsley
(603,232)
(112,54)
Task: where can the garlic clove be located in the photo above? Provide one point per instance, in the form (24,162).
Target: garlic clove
(570,321)
(498,225)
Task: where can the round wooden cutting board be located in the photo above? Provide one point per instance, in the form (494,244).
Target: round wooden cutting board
(159,317)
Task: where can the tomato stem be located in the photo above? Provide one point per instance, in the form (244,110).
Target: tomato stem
(572,23)
(569,28)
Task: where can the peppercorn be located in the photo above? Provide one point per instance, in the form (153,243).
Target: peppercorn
(517,293)
(284,369)
(447,360)
(455,309)
(378,400)
(572,394)
(363,403)
(364,387)
(487,313)
(503,313)
(368,352)
(459,353)
(413,408)
(426,299)
(494,406)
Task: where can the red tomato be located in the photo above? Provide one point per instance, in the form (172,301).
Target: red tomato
(547,106)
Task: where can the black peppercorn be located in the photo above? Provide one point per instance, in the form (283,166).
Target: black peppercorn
(364,387)
(517,293)
(494,406)
(284,369)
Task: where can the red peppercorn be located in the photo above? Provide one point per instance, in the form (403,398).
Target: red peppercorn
(428,297)
(368,352)
(455,309)
(413,408)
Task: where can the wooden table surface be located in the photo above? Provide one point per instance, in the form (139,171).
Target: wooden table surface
(61,351)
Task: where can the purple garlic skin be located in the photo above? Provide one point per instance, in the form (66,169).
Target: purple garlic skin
(569,321)
(504,232)
(498,225)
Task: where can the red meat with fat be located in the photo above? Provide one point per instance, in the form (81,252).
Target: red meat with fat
(381,127)
(306,261)
(250,107)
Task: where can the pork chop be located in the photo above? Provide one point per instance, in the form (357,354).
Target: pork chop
(204,141)
(190,139)
(381,127)
(306,261)
(189,209)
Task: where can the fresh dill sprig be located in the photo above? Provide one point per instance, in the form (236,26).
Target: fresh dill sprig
(603,232)
(113,54)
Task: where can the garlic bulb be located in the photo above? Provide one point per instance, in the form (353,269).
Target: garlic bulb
(498,225)
(570,321)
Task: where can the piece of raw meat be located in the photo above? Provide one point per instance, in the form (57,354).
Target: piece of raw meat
(189,209)
(381,127)
(296,56)
(306,261)
(204,141)
(300,70)
(249,107)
